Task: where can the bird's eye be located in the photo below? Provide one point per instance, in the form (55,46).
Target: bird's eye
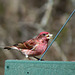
(44,34)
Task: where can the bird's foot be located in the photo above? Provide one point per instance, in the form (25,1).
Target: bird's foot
(38,58)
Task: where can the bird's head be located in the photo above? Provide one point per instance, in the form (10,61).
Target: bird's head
(45,35)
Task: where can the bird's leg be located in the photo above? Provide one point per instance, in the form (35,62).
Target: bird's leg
(38,58)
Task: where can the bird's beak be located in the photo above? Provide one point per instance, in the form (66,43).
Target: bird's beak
(49,36)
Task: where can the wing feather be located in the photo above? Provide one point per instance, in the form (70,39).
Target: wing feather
(26,45)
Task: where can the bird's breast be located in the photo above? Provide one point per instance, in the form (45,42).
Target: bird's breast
(41,47)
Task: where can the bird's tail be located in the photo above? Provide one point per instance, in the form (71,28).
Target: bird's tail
(7,47)
(11,47)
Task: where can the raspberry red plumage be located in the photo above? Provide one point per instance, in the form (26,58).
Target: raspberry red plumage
(33,47)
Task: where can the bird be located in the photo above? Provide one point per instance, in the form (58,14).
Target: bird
(33,47)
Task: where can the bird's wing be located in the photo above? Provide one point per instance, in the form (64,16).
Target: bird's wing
(30,44)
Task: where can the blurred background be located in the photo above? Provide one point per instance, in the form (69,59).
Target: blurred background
(21,20)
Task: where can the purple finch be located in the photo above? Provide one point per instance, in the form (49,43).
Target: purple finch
(33,47)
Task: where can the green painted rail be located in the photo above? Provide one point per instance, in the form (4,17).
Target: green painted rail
(22,67)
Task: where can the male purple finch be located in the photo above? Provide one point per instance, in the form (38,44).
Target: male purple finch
(33,47)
